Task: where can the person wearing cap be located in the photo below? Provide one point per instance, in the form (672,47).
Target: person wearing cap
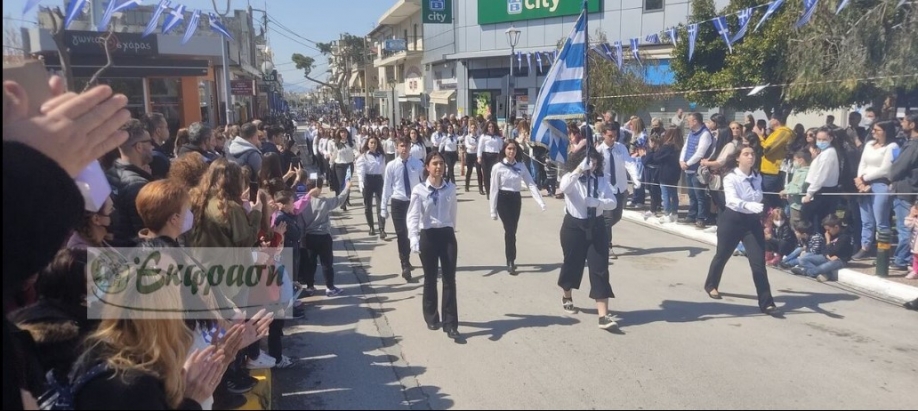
(129,174)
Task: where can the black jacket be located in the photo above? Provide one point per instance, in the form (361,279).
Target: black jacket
(666,159)
(57,332)
(131,390)
(126,181)
(783,240)
(904,170)
(160,164)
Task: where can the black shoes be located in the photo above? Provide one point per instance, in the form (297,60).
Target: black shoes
(770,310)
(433,327)
(607,321)
(454,335)
(798,270)
(406,273)
(511,268)
(382,234)
(568,305)
(911,305)
(372,232)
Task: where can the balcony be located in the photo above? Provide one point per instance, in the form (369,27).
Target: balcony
(413,48)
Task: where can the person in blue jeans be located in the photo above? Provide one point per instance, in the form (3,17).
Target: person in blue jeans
(835,256)
(698,145)
(808,243)
(904,178)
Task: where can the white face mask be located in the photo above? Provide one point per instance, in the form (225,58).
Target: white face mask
(779,223)
(247,205)
(187,221)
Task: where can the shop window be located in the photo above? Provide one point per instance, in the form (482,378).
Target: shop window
(130,87)
(165,98)
(653,5)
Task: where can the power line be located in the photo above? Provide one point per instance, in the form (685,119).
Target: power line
(274,20)
(295,40)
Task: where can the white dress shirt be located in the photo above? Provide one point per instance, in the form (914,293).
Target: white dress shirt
(823,172)
(449,143)
(369,163)
(876,161)
(393,179)
(320,146)
(342,153)
(389,146)
(418,151)
(740,190)
(623,163)
(511,177)
(490,144)
(431,207)
(436,138)
(576,200)
(471,143)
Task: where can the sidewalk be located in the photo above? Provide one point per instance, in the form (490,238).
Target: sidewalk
(893,291)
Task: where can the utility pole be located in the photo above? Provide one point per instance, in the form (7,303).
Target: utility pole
(224,45)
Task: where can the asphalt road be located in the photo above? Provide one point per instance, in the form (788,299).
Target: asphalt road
(675,347)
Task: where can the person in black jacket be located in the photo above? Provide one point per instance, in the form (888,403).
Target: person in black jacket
(904,177)
(838,251)
(156,125)
(666,160)
(127,176)
(780,239)
(200,137)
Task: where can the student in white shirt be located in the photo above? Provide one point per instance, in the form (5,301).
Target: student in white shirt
(616,162)
(584,238)
(822,178)
(507,179)
(437,137)
(418,149)
(470,141)
(390,144)
(342,153)
(742,221)
(490,146)
(449,146)
(370,168)
(399,180)
(873,177)
(431,229)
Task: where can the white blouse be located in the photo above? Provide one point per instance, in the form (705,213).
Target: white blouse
(823,171)
(741,189)
(449,143)
(418,151)
(369,163)
(876,161)
(431,207)
(490,144)
(576,200)
(511,177)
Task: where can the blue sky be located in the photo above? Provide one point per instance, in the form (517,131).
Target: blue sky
(315,20)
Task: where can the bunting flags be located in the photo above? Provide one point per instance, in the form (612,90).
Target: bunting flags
(192,26)
(771,10)
(843,4)
(519,61)
(539,61)
(721,24)
(692,36)
(154,21)
(528,61)
(635,41)
(673,36)
(217,26)
(128,5)
(176,16)
(107,16)
(76,9)
(809,7)
(745,16)
(653,38)
(29,5)
(561,96)
(619,55)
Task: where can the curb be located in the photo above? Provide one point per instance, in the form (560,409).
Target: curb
(260,396)
(879,287)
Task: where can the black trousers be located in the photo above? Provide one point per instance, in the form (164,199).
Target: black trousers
(389,157)
(733,227)
(317,248)
(438,250)
(821,206)
(508,209)
(585,241)
(471,162)
(612,217)
(488,160)
(340,173)
(400,221)
(451,158)
(275,334)
(372,188)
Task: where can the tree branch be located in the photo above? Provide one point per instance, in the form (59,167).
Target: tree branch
(108,59)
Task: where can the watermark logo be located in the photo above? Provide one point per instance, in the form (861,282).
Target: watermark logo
(193,283)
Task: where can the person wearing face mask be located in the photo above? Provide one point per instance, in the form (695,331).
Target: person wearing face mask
(92,229)
(823,177)
(165,208)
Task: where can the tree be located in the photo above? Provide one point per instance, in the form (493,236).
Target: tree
(63,52)
(349,51)
(12,41)
(607,82)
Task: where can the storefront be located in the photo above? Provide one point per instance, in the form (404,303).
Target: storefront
(151,81)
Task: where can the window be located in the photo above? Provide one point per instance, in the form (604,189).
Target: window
(653,5)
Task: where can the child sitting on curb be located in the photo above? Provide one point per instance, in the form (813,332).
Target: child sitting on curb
(807,243)
(838,251)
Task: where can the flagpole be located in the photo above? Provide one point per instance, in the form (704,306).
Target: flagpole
(588,131)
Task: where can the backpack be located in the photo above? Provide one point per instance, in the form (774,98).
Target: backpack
(62,396)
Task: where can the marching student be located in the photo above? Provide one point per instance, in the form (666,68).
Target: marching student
(616,162)
(370,167)
(507,179)
(418,148)
(584,235)
(741,221)
(431,229)
(490,146)
(470,141)
(399,179)
(449,146)
(390,144)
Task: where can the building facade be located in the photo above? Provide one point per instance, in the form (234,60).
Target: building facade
(467,63)
(399,43)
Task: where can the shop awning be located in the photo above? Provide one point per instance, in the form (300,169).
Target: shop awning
(442,96)
(127,67)
(355,79)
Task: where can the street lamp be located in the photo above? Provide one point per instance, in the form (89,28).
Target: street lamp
(392,84)
(513,37)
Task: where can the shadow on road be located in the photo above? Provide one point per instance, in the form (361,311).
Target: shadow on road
(496,329)
(692,251)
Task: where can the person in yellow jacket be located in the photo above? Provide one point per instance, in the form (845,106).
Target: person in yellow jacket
(774,151)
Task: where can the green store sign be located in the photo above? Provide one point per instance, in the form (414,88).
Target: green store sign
(500,11)
(437,11)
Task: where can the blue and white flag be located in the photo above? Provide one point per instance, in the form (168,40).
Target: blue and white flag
(154,21)
(604,51)
(192,26)
(107,16)
(555,57)
(720,23)
(539,61)
(217,25)
(809,7)
(76,9)
(771,10)
(745,16)
(519,61)
(176,16)
(673,36)
(692,36)
(129,4)
(619,55)
(653,38)
(635,42)
(843,4)
(29,5)
(529,61)
(561,96)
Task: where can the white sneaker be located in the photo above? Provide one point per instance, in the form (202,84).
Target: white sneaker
(711,229)
(666,219)
(285,362)
(647,215)
(673,218)
(264,361)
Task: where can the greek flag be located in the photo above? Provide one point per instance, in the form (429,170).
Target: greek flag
(721,24)
(692,36)
(519,61)
(771,10)
(529,61)
(745,16)
(809,7)
(128,5)
(561,96)
(192,26)
(539,61)
(619,55)
(217,25)
(154,21)
(176,16)
(653,38)
(634,50)
(673,37)
(107,16)
(76,9)
(604,51)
